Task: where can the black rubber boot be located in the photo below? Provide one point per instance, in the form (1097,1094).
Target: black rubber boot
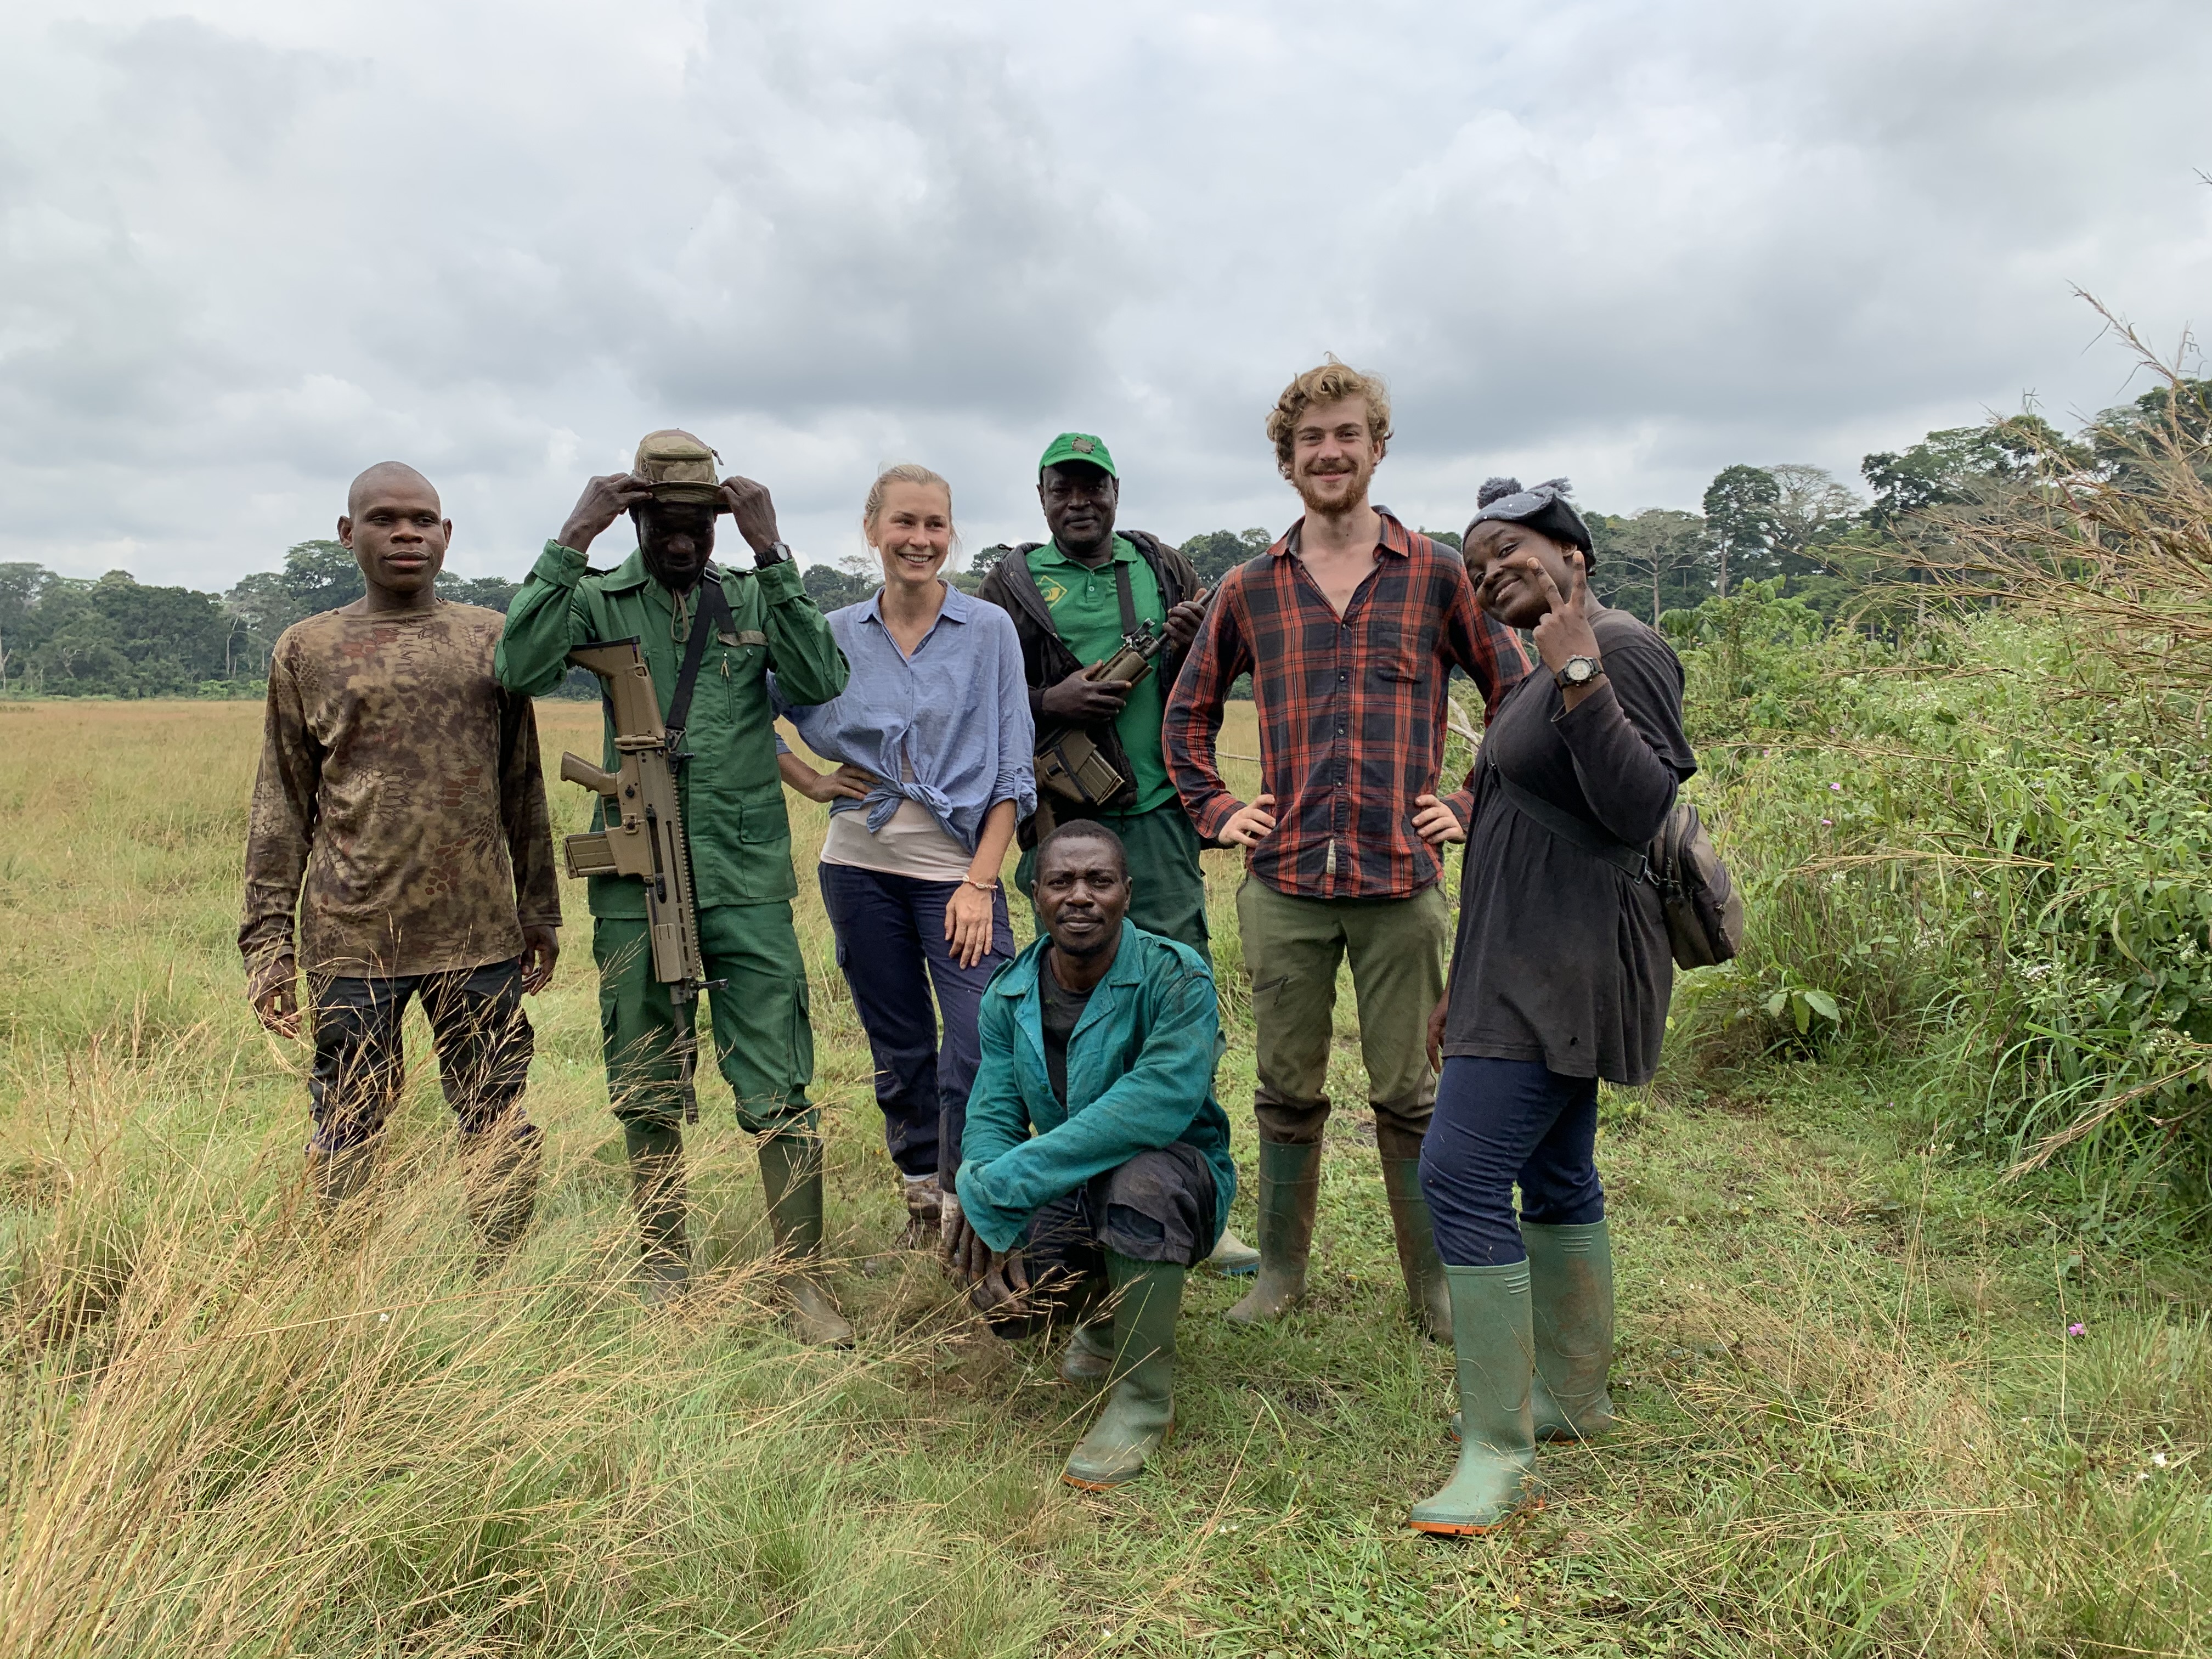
(1140,1411)
(656,1193)
(791,1171)
(1570,1293)
(335,1178)
(501,1182)
(1290,1187)
(1427,1301)
(1495,1348)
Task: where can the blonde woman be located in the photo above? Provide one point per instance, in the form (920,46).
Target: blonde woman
(931,740)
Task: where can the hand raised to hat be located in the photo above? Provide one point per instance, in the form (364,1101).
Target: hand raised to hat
(750,506)
(604,501)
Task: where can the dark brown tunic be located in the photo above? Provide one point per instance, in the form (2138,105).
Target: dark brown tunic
(1561,956)
(399,807)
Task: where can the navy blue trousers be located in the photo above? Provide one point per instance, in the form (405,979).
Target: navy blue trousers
(891,945)
(1499,1123)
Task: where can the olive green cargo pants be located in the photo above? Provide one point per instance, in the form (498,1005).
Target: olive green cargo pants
(1292,948)
(758,1031)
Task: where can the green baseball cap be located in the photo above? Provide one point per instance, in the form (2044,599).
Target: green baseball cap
(1077,446)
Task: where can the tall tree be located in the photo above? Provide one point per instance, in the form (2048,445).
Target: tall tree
(1217,552)
(1659,557)
(1741,506)
(1810,510)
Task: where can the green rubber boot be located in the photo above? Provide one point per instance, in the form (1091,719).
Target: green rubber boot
(1290,1187)
(1140,1411)
(1571,1295)
(657,1195)
(1233,1257)
(1088,1359)
(1495,1345)
(791,1171)
(501,1181)
(1427,1302)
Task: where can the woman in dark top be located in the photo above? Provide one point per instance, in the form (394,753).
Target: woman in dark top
(1559,977)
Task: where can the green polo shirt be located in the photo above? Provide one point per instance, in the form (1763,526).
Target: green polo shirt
(1086,610)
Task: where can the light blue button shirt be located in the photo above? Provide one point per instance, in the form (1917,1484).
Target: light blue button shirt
(955,714)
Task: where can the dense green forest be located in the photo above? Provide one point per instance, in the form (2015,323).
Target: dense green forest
(1827,545)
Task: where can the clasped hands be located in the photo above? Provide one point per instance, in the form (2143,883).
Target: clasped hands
(997,1280)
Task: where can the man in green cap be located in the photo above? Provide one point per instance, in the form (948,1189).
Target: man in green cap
(733,816)
(1074,599)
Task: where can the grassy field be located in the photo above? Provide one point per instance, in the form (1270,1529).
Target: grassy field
(1854,1420)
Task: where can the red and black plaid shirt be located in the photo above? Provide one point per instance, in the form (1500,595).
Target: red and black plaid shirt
(1351,709)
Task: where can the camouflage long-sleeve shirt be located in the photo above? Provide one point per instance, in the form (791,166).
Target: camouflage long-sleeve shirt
(400,807)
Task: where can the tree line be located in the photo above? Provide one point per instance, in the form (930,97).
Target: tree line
(1820,540)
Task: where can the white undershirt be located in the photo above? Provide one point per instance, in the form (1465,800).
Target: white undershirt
(911,844)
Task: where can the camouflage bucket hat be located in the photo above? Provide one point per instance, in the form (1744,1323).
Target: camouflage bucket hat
(679,468)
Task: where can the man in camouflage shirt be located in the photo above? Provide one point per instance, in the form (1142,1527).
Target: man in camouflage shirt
(401,811)
(733,819)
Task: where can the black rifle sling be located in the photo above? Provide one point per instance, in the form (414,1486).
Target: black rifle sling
(711,617)
(1629,861)
(1121,593)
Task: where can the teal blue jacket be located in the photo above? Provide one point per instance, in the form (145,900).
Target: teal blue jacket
(1140,1075)
(733,813)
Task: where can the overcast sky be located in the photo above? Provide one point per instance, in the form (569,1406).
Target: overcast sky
(251,246)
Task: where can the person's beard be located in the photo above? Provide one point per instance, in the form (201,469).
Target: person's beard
(1304,482)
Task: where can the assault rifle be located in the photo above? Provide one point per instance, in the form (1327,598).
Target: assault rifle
(643,812)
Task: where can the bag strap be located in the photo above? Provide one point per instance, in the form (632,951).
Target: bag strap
(1629,861)
(713,614)
(1121,593)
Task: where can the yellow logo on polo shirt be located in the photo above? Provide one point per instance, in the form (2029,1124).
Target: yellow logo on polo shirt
(1050,587)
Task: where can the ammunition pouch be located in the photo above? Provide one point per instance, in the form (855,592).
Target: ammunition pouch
(1071,764)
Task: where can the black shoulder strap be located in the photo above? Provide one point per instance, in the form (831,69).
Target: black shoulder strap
(1121,593)
(712,616)
(1568,828)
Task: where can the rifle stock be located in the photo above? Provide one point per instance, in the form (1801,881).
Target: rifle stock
(641,807)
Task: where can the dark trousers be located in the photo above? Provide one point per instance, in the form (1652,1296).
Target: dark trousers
(1498,1122)
(483,1038)
(1158,1207)
(891,945)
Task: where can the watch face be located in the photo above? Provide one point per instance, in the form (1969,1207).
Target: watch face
(1581,669)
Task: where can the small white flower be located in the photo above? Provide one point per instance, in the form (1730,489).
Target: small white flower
(2159,1458)
(384,1319)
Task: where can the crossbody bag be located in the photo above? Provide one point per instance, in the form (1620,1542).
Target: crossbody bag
(1703,911)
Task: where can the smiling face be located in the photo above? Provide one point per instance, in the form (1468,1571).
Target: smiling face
(1079,501)
(1496,554)
(911,532)
(1082,893)
(1334,453)
(396,529)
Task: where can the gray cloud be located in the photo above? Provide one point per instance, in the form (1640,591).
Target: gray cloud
(246,252)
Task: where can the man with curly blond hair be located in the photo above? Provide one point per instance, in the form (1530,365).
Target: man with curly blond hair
(1350,627)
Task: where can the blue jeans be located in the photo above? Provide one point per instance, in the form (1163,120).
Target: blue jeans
(1500,1122)
(891,945)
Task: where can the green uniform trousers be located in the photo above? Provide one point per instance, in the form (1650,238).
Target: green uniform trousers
(1292,948)
(758,1032)
(1167,891)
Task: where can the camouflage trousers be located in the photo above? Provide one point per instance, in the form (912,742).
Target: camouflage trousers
(756,1026)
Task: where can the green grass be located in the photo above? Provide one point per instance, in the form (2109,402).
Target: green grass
(1853,1422)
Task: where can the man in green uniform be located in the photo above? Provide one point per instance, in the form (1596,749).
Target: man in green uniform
(733,814)
(1072,598)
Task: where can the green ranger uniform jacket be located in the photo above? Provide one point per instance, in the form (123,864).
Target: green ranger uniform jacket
(733,812)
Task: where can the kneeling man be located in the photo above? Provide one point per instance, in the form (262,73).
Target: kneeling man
(1097,1167)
